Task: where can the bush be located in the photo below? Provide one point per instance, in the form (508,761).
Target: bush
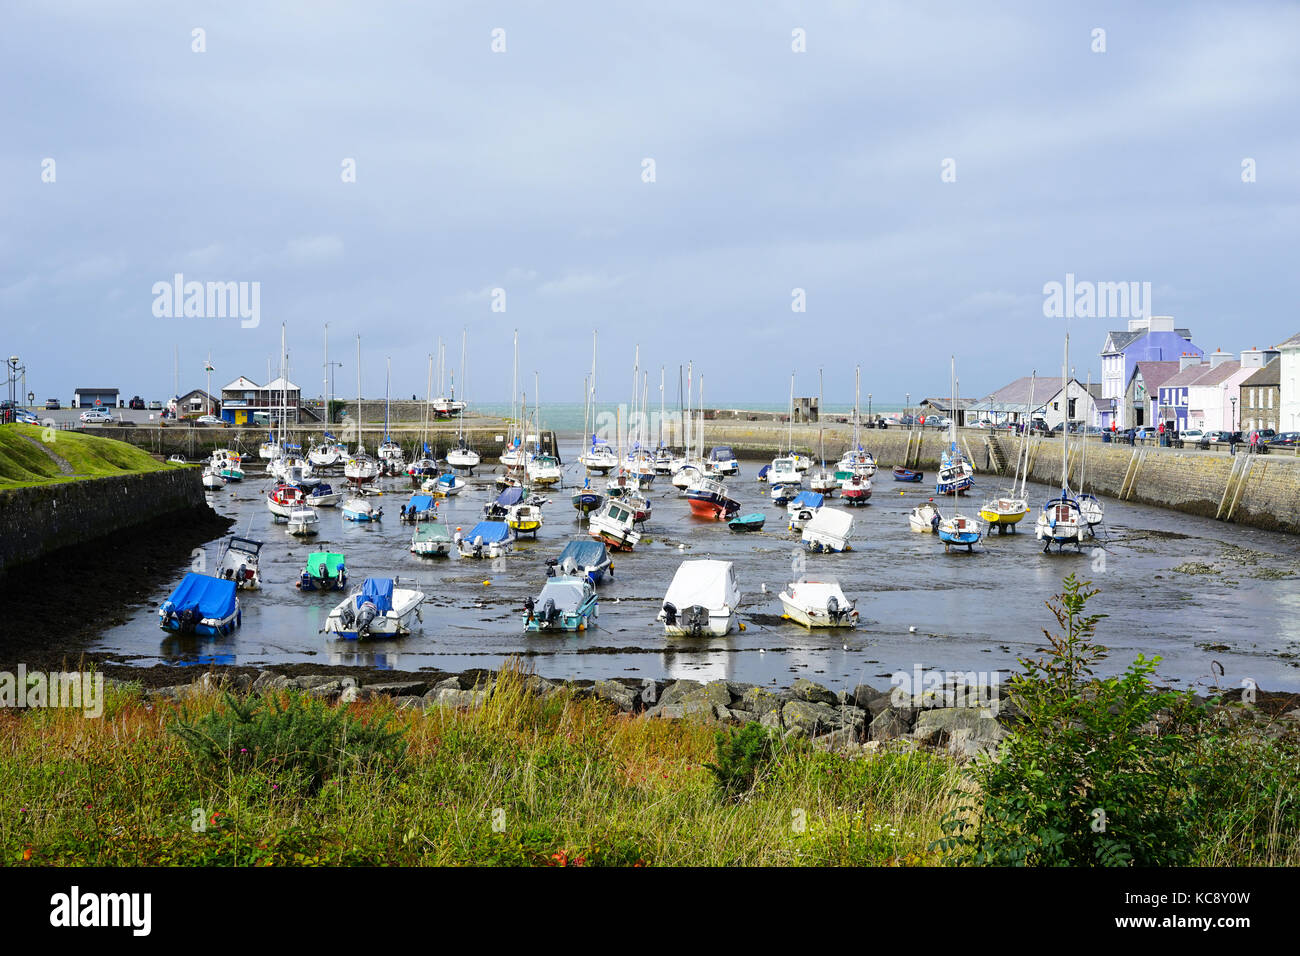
(741,756)
(304,739)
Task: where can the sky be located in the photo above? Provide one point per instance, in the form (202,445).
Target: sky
(920,170)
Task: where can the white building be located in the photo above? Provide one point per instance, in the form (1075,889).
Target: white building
(1084,405)
(1289,417)
(1213,399)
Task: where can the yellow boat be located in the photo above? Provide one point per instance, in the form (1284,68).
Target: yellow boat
(1004,513)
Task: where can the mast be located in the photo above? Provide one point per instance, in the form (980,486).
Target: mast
(857,395)
(821,429)
(428,400)
(388,381)
(460,416)
(326,383)
(661,406)
(789,424)
(1024,441)
(686,427)
(360,443)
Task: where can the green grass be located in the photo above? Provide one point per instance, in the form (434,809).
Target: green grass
(22,465)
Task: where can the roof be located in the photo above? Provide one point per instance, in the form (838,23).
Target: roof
(1122,339)
(1219,374)
(86,388)
(1270,374)
(945,404)
(1155,374)
(1186,377)
(240,384)
(1292,343)
(280,384)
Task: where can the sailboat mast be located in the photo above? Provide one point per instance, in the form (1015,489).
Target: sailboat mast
(821,429)
(1065,426)
(359,439)
(661,406)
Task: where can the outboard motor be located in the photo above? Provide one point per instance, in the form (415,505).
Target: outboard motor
(478,546)
(188,621)
(242,574)
(570,566)
(670,614)
(341,578)
(323,573)
(934,522)
(696,619)
(365,615)
(348,616)
(550,567)
(833,611)
(550,613)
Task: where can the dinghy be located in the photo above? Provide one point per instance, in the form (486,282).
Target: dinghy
(377,609)
(701,600)
(586,558)
(564,604)
(959,531)
(818,604)
(201,605)
(357,507)
(907,474)
(324,571)
(239,563)
(830,531)
(323,496)
(431,538)
(487,539)
(749,522)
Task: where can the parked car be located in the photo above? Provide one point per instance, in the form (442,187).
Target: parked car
(1146,431)
(96,416)
(1265,434)
(212,420)
(1285,439)
(136,402)
(155,406)
(52,405)
(1192,435)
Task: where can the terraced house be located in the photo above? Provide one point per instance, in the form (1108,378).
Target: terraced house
(1289,375)
(1151,339)
(1261,393)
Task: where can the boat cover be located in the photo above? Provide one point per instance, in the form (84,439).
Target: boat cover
(762,472)
(567,593)
(710,584)
(511,496)
(586,554)
(831,522)
(332,560)
(490,531)
(721,453)
(420,504)
(431,531)
(321,490)
(208,596)
(378,590)
(808,499)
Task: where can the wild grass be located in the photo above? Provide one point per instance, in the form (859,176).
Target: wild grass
(22,465)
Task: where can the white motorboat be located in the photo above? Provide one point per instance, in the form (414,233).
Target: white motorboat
(701,600)
(358,507)
(487,539)
(228,464)
(803,508)
(830,530)
(686,475)
(377,609)
(431,538)
(599,458)
(784,471)
(544,470)
(924,518)
(212,480)
(303,522)
(818,604)
(464,458)
(324,496)
(444,486)
(614,523)
(239,563)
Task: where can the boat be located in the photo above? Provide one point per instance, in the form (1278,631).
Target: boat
(324,496)
(830,530)
(426,466)
(1089,505)
(1061,521)
(613,523)
(803,507)
(701,600)
(663,461)
(431,538)
(176,460)
(419,508)
(212,480)
(392,461)
(750,522)
(599,457)
(908,474)
(722,461)
(586,499)
(378,609)
(487,539)
(544,470)
(326,453)
(855,490)
(784,492)
(201,605)
(955,476)
(763,473)
(856,460)
(360,468)
(446,485)
(818,604)
(564,604)
(784,472)
(228,464)
(324,571)
(686,475)
(524,517)
(293,470)
(587,558)
(691,466)
(283,499)
(357,507)
(269,450)
(303,521)
(462,457)
(924,518)
(708,498)
(959,530)
(240,563)
(1006,511)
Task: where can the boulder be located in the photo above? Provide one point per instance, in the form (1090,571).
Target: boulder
(757,701)
(674,711)
(871,698)
(327,689)
(808,717)
(771,720)
(350,694)
(843,739)
(891,723)
(675,691)
(448,697)
(617,693)
(813,693)
(962,731)
(539,686)
(403,688)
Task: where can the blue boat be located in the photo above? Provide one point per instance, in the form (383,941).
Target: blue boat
(419,508)
(907,474)
(487,539)
(201,605)
(497,510)
(749,522)
(803,507)
(565,604)
(956,476)
(378,609)
(959,531)
(586,558)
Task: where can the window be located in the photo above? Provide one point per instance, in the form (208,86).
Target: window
(1270,397)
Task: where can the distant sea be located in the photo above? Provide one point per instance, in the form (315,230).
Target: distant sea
(566,418)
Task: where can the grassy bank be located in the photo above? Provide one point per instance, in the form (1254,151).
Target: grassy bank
(27,459)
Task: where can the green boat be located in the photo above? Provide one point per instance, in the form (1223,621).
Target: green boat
(325,571)
(431,537)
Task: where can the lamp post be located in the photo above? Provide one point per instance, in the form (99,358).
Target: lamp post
(1233,423)
(869,418)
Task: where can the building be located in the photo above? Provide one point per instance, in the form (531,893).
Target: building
(1018,401)
(946,408)
(1142,396)
(1084,404)
(1152,339)
(243,399)
(95,398)
(1261,397)
(1204,395)
(1288,377)
(197,402)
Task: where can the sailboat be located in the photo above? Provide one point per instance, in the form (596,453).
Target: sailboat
(1004,513)
(958,529)
(513,454)
(614,522)
(326,452)
(543,469)
(688,468)
(391,458)
(360,468)
(857,467)
(821,481)
(1089,505)
(1061,521)
(599,457)
(956,476)
(462,456)
(784,475)
(425,466)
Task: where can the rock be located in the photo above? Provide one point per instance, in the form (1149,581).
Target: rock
(694,698)
(350,695)
(843,739)
(805,690)
(865,696)
(618,694)
(739,689)
(728,716)
(962,731)
(409,703)
(450,683)
(675,691)
(403,688)
(672,711)
(771,719)
(328,689)
(892,723)
(463,699)
(811,718)
(312,681)
(539,685)
(268,681)
(758,702)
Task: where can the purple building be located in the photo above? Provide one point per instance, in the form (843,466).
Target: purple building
(1145,340)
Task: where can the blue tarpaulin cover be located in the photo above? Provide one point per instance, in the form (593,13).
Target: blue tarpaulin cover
(210,597)
(511,496)
(721,453)
(490,531)
(809,499)
(420,503)
(378,590)
(586,554)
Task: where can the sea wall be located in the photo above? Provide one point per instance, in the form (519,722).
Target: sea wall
(36,521)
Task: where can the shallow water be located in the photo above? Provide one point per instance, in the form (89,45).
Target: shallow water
(920,607)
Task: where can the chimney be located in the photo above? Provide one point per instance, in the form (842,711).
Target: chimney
(1218,357)
(1188,359)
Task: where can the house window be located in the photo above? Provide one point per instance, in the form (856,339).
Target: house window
(1269,392)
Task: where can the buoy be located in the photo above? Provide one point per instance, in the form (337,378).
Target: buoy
(487,584)
(681,547)
(742,625)
(912,629)
(764,586)
(762,650)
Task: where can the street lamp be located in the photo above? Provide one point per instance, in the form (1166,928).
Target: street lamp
(1233,426)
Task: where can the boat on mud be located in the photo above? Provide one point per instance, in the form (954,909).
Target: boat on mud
(701,601)
(201,605)
(378,609)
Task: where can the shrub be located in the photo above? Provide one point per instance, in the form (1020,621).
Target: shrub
(304,738)
(741,757)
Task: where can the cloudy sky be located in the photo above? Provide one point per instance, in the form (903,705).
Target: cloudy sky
(524,170)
